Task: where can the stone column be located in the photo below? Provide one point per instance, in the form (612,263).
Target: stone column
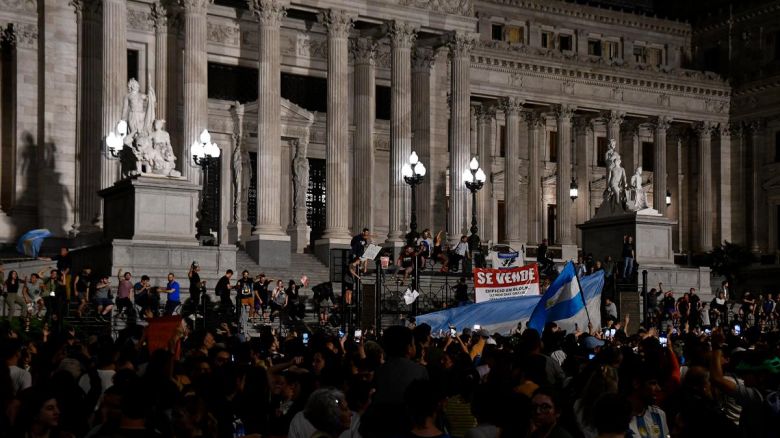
(91,145)
(583,145)
(114,80)
(741,167)
(512,107)
(535,123)
(704,212)
(402,36)
(564,114)
(422,64)
(364,52)
(239,227)
(339,24)
(661,125)
(629,146)
(724,175)
(160,17)
(195,81)
(757,203)
(460,60)
(299,229)
(485,119)
(269,245)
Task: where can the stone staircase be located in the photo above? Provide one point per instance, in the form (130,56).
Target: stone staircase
(300,264)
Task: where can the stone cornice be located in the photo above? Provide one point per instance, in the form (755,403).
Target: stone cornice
(457,7)
(571,74)
(598,15)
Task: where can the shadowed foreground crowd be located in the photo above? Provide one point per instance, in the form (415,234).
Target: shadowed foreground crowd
(404,384)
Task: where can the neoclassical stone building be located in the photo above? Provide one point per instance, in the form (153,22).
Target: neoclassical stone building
(317,104)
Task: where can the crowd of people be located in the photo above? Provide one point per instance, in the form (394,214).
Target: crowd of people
(402,382)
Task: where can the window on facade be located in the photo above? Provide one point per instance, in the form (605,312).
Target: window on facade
(514,34)
(640,54)
(648,160)
(502,141)
(232,82)
(611,49)
(306,91)
(497,32)
(382,102)
(777,146)
(565,42)
(601,150)
(594,47)
(553,146)
(712,59)
(132,64)
(653,56)
(547,40)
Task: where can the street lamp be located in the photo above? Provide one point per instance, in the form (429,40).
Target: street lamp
(668,198)
(115,142)
(474,178)
(574,190)
(203,153)
(413,173)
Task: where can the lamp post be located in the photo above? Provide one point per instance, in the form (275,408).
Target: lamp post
(574,190)
(115,142)
(474,178)
(413,173)
(202,154)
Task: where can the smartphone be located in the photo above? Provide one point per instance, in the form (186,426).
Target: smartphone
(453,332)
(477,327)
(358,334)
(707,332)
(341,334)
(591,356)
(737,329)
(664,341)
(612,333)
(305,339)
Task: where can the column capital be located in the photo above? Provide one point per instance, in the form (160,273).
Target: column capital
(423,59)
(756,126)
(461,43)
(486,114)
(338,22)
(728,129)
(564,112)
(534,119)
(631,126)
(268,12)
(402,34)
(159,16)
(613,118)
(704,128)
(511,105)
(661,122)
(87,7)
(583,124)
(363,50)
(197,6)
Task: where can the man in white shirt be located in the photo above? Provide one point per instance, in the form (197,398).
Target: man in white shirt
(461,252)
(21,379)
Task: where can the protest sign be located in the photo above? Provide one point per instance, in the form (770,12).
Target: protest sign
(495,284)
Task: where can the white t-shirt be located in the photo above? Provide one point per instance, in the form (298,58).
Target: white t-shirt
(652,424)
(21,379)
(461,249)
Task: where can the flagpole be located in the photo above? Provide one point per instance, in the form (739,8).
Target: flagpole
(582,294)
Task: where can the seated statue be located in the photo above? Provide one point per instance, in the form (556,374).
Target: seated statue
(165,160)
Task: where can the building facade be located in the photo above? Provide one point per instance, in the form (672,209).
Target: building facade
(317,105)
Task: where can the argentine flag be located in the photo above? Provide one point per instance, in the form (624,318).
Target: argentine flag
(563,304)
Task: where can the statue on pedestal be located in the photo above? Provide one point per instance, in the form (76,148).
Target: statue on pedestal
(638,196)
(149,142)
(614,195)
(301,175)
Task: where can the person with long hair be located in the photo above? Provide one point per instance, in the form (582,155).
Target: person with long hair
(13,296)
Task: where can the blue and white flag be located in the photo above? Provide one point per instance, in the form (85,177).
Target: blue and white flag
(563,304)
(30,243)
(496,316)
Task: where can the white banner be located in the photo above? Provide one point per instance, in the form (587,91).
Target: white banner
(496,284)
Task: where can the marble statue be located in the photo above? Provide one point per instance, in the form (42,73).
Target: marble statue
(638,196)
(616,180)
(138,109)
(146,137)
(609,156)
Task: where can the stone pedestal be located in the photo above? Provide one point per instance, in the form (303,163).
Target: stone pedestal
(322,248)
(300,237)
(269,250)
(151,208)
(652,234)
